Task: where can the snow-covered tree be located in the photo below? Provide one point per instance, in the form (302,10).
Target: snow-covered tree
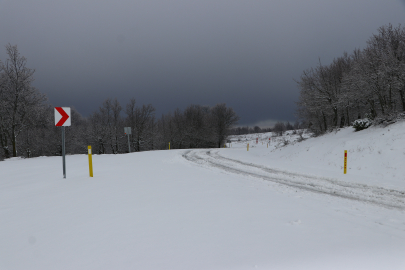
(20,101)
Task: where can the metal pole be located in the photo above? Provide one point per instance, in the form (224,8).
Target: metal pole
(63,151)
(129,145)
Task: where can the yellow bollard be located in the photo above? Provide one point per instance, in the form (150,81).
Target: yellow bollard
(90,162)
(248,147)
(345,163)
(169,145)
(267,145)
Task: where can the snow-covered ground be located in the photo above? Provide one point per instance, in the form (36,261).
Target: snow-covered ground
(376,156)
(271,207)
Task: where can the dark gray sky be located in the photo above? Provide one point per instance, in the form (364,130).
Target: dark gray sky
(173,53)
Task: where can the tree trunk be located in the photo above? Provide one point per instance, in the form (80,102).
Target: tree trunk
(14,142)
(373,112)
(401,93)
(324,121)
(4,145)
(335,117)
(138,144)
(342,120)
(382,105)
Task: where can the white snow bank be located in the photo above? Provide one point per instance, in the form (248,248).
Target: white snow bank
(156,210)
(376,156)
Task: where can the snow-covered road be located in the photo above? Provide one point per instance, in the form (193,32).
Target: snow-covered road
(281,208)
(390,198)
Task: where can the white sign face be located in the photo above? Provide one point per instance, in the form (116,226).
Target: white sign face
(62,116)
(127,130)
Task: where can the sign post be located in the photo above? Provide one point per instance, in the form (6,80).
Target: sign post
(63,152)
(127,131)
(62,119)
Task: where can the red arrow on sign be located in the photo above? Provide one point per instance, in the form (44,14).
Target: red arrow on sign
(65,116)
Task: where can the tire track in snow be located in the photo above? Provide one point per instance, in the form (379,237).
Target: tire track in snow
(370,194)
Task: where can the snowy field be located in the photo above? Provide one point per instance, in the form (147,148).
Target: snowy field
(272,207)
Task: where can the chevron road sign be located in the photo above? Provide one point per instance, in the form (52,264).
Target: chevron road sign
(62,116)
(62,119)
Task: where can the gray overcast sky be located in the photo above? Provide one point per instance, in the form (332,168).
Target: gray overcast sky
(175,53)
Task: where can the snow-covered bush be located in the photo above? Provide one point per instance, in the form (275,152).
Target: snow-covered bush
(285,141)
(300,132)
(361,124)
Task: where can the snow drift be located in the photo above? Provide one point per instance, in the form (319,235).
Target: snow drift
(209,208)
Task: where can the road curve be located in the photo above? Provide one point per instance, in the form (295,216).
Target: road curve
(389,198)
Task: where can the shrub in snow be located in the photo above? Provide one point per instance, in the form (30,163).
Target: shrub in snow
(387,119)
(361,124)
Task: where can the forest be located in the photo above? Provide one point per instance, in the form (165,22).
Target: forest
(27,125)
(368,83)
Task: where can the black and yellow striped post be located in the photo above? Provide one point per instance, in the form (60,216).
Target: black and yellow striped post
(90,162)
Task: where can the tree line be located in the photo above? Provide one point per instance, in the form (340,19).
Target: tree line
(279,127)
(368,83)
(27,126)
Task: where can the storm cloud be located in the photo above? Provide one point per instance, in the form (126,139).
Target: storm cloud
(175,53)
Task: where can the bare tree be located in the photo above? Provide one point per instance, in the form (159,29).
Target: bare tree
(197,127)
(368,83)
(98,132)
(257,129)
(142,122)
(222,120)
(110,121)
(131,119)
(117,124)
(279,128)
(19,99)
